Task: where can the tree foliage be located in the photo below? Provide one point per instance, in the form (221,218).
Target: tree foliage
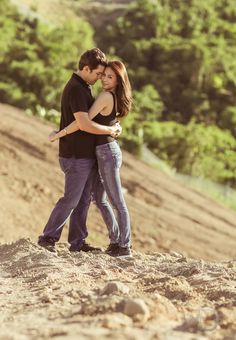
(36,58)
(196,149)
(185,52)
(185,49)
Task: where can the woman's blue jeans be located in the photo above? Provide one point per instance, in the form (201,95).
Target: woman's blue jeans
(109,158)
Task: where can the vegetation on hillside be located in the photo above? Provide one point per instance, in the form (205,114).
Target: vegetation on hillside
(36,58)
(181,60)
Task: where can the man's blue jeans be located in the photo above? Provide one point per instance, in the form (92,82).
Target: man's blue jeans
(109,158)
(94,190)
(78,186)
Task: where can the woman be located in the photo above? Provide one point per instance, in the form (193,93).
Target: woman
(113,103)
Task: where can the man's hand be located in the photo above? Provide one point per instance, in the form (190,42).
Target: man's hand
(116,130)
(52,136)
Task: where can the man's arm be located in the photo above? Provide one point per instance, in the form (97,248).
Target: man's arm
(114,130)
(85,124)
(83,121)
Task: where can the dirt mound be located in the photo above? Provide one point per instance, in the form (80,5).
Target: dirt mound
(93,296)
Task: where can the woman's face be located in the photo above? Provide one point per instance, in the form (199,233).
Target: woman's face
(109,79)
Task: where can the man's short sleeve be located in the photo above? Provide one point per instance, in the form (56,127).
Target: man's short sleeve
(78,100)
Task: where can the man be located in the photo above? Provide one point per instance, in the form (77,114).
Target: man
(77,155)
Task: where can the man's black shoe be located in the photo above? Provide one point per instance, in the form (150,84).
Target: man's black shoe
(86,248)
(47,243)
(123,252)
(112,249)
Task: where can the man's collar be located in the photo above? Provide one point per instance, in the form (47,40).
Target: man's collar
(81,80)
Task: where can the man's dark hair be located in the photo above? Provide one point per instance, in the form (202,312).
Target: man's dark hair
(92,58)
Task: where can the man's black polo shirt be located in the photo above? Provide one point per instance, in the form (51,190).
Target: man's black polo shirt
(76,97)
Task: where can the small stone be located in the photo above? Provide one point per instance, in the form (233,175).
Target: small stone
(46,298)
(115,287)
(175,254)
(134,307)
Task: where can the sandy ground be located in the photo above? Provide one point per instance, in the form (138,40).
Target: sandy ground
(179,285)
(93,296)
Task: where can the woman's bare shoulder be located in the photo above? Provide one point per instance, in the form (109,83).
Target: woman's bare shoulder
(104,95)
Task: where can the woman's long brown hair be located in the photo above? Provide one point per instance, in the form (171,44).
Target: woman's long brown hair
(123,89)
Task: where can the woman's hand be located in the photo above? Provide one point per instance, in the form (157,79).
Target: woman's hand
(52,136)
(116,130)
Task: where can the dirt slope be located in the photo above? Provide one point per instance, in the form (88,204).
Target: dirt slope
(165,215)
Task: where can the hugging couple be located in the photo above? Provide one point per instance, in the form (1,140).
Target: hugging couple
(90,156)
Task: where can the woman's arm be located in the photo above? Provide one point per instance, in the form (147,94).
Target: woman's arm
(103,102)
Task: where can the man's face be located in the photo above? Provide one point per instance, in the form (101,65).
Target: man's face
(95,74)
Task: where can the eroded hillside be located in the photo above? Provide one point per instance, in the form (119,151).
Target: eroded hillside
(166,216)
